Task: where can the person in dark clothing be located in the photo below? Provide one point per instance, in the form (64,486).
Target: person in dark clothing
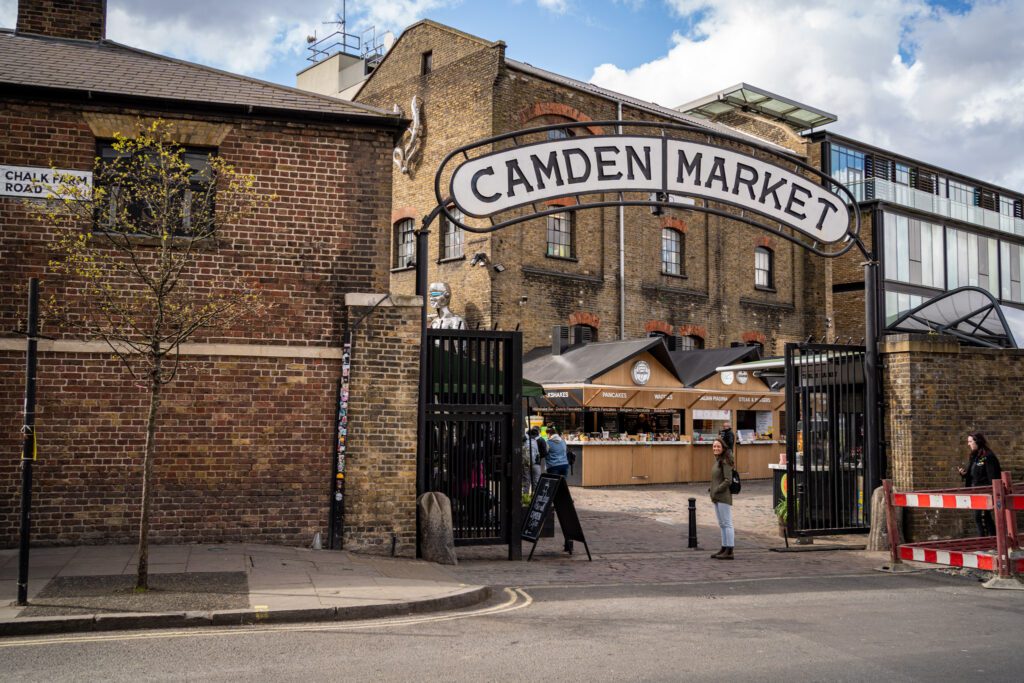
(727,436)
(981,470)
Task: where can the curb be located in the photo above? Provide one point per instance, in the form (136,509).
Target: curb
(31,626)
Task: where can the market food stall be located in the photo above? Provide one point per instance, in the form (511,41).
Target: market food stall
(630,414)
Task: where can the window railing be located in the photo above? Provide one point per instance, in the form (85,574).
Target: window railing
(925,201)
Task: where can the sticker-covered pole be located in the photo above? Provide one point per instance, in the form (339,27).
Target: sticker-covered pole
(28,432)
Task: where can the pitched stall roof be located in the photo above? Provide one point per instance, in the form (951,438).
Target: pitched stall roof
(693,367)
(583,363)
(109,68)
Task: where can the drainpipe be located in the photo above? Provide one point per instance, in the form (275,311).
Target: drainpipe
(622,250)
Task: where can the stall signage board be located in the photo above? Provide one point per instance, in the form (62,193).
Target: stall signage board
(552,492)
(531,174)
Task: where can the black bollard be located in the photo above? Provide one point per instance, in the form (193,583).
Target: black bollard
(692,539)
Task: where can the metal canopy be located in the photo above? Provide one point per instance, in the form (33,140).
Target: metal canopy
(744,96)
(970,314)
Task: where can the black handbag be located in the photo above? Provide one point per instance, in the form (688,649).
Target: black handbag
(735,485)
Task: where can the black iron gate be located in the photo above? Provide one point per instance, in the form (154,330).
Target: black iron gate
(826,442)
(473,431)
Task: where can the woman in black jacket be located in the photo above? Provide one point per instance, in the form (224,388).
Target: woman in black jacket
(982,469)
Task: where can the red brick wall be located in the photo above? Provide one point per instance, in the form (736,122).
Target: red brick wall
(243,450)
(245,442)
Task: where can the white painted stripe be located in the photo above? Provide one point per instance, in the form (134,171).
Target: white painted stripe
(942,557)
(971,560)
(918,555)
(196,349)
(963,502)
(912,500)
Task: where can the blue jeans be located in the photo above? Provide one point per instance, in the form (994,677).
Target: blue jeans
(562,470)
(724,514)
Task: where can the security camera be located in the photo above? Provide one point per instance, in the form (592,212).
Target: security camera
(523,299)
(479,259)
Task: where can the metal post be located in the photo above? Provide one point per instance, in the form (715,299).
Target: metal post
(872,433)
(28,444)
(422,251)
(691,541)
(890,522)
(999,513)
(1011,515)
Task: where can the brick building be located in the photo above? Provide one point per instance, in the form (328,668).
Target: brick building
(246,433)
(711,281)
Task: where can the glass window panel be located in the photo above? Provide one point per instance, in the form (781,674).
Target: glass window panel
(903,250)
(671,252)
(405,243)
(561,236)
(452,237)
(891,264)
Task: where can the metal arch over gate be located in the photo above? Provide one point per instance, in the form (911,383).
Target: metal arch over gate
(752,183)
(771,185)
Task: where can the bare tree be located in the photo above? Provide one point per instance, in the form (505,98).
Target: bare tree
(135,253)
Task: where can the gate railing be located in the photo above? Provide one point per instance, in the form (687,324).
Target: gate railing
(473,430)
(825,440)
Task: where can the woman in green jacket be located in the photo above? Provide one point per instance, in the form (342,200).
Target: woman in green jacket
(721,478)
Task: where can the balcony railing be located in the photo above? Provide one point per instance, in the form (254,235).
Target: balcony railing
(925,201)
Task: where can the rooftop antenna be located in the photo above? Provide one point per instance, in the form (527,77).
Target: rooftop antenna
(368,46)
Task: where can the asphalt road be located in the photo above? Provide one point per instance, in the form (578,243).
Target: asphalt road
(863,626)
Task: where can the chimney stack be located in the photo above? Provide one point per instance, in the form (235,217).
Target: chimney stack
(78,19)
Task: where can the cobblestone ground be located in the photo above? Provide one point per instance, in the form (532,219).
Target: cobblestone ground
(638,534)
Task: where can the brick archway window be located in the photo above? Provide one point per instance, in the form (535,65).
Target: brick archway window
(764,268)
(691,342)
(673,252)
(404,244)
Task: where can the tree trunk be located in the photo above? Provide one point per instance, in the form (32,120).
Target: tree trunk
(142,582)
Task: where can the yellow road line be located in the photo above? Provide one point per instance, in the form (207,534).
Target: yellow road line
(517,599)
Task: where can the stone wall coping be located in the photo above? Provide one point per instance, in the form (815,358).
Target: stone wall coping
(393,300)
(936,343)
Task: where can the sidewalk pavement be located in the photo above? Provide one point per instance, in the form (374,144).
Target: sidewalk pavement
(75,589)
(637,535)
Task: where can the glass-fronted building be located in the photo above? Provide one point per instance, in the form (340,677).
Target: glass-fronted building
(935,230)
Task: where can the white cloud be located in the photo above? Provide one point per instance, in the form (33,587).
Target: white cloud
(556,6)
(249,36)
(957,103)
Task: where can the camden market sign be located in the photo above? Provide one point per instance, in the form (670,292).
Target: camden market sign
(774,190)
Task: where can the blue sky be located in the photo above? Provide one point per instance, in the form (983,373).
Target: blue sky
(941,81)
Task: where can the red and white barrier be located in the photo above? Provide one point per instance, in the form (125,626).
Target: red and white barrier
(988,553)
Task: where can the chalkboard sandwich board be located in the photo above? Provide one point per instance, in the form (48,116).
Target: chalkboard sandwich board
(552,492)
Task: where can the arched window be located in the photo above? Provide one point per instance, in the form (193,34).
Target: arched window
(452,237)
(764,268)
(673,252)
(404,248)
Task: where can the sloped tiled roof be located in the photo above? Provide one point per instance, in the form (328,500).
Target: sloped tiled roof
(642,105)
(109,68)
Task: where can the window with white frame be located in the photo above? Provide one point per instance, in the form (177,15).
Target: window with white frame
(404,244)
(691,342)
(764,275)
(562,235)
(452,237)
(913,251)
(672,252)
(902,175)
